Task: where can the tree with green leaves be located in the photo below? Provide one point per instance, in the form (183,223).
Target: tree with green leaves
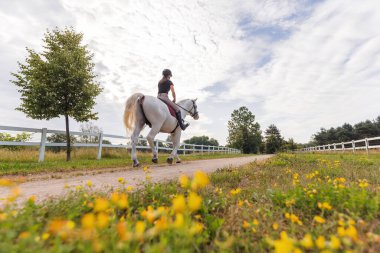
(59,81)
(202,140)
(273,140)
(243,132)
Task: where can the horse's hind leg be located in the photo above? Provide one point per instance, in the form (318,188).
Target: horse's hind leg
(176,136)
(153,132)
(135,138)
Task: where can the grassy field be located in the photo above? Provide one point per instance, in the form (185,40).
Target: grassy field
(23,162)
(291,203)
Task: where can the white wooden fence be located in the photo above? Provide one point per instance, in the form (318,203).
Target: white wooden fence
(354,145)
(44,132)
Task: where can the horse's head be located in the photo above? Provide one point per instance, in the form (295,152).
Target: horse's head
(190,106)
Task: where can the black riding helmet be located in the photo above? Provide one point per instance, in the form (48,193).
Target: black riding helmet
(166,72)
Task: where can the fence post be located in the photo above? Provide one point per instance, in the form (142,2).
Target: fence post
(100,146)
(334,147)
(353,146)
(366,146)
(343,146)
(202,149)
(184,149)
(41,157)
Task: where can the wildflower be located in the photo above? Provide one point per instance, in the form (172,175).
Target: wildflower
(196,228)
(324,205)
(335,242)
(275,226)
(184,181)
(101,205)
(236,191)
(122,231)
(122,203)
(352,232)
(246,224)
(319,219)
(45,236)
(32,198)
(5,182)
(320,242)
(363,183)
(179,220)
(307,241)
(129,188)
(255,222)
(179,204)
(200,180)
(290,202)
(24,235)
(341,231)
(89,183)
(102,220)
(194,201)
(78,187)
(284,244)
(293,218)
(121,180)
(140,229)
(88,221)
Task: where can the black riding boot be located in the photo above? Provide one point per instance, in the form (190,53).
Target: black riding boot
(182,125)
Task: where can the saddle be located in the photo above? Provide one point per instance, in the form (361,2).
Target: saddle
(171,109)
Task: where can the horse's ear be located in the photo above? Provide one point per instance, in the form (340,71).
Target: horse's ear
(195,99)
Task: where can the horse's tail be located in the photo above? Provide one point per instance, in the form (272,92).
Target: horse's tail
(130,111)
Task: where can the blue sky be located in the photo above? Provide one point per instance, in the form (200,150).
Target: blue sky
(300,65)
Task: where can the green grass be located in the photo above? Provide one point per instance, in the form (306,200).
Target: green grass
(243,210)
(23,162)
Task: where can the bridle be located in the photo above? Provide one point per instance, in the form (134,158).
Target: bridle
(190,111)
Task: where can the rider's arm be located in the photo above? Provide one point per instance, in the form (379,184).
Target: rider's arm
(173,93)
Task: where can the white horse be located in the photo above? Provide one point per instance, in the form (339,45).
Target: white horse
(139,109)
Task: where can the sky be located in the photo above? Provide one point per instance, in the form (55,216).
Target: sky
(300,65)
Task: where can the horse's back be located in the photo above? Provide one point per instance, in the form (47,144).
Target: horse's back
(158,112)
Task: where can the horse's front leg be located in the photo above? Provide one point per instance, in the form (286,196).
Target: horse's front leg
(152,134)
(134,140)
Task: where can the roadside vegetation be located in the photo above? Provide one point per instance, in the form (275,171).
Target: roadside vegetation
(24,161)
(291,203)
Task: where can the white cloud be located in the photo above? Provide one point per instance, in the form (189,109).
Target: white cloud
(295,64)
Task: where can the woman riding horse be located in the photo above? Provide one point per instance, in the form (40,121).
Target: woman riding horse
(164,85)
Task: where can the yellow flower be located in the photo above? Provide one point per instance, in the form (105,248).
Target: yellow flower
(102,220)
(275,226)
(24,235)
(196,228)
(341,231)
(284,244)
(194,202)
(179,204)
(88,221)
(129,188)
(289,203)
(139,229)
(246,224)
(255,222)
(184,181)
(179,220)
(101,205)
(320,242)
(324,205)
(89,183)
(200,180)
(236,191)
(319,219)
(307,242)
(5,182)
(122,231)
(45,236)
(121,180)
(122,203)
(293,218)
(335,242)
(352,232)
(32,198)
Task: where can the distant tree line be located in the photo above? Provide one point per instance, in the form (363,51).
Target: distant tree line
(244,133)
(347,132)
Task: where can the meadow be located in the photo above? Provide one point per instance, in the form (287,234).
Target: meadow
(290,203)
(24,161)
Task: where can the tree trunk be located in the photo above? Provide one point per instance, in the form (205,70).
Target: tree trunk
(68,139)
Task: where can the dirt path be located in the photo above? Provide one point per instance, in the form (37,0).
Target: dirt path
(43,189)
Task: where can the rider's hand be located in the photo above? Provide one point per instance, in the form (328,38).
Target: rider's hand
(173,100)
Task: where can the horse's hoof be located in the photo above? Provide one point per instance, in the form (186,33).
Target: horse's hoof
(136,164)
(169,160)
(178,162)
(155,160)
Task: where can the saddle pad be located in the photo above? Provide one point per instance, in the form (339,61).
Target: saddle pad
(171,110)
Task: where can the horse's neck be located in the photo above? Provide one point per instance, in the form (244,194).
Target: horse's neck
(184,110)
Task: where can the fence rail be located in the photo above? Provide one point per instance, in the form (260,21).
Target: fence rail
(354,145)
(184,147)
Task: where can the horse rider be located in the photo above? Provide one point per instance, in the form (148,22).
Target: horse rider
(164,85)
